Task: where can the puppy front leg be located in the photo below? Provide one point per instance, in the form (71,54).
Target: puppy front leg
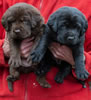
(64,70)
(80,70)
(38,53)
(15,59)
(43,82)
(14,75)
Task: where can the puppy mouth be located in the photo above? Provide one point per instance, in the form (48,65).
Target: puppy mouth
(72,42)
(21,36)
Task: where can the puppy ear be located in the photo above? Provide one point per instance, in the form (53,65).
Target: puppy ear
(85,26)
(52,22)
(36,19)
(33,24)
(4,22)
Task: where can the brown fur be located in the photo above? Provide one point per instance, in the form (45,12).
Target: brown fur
(21,21)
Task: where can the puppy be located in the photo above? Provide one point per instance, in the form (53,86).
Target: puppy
(66,26)
(21,21)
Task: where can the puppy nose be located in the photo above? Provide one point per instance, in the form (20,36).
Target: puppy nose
(17,31)
(70,38)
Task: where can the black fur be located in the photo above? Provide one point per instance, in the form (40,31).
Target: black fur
(66,26)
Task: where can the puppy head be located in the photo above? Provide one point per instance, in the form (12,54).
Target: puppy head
(20,19)
(69,24)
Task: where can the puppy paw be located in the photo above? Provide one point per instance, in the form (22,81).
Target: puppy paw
(83,83)
(15,62)
(10,86)
(36,56)
(45,84)
(11,78)
(42,71)
(42,81)
(82,74)
(59,78)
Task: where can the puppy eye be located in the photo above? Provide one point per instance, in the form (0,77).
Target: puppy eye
(66,24)
(78,26)
(23,21)
(11,21)
(62,25)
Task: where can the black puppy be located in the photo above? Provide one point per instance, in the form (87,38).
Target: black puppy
(66,26)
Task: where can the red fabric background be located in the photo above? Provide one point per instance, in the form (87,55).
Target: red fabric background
(27,88)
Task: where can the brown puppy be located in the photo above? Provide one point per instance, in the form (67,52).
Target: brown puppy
(21,21)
